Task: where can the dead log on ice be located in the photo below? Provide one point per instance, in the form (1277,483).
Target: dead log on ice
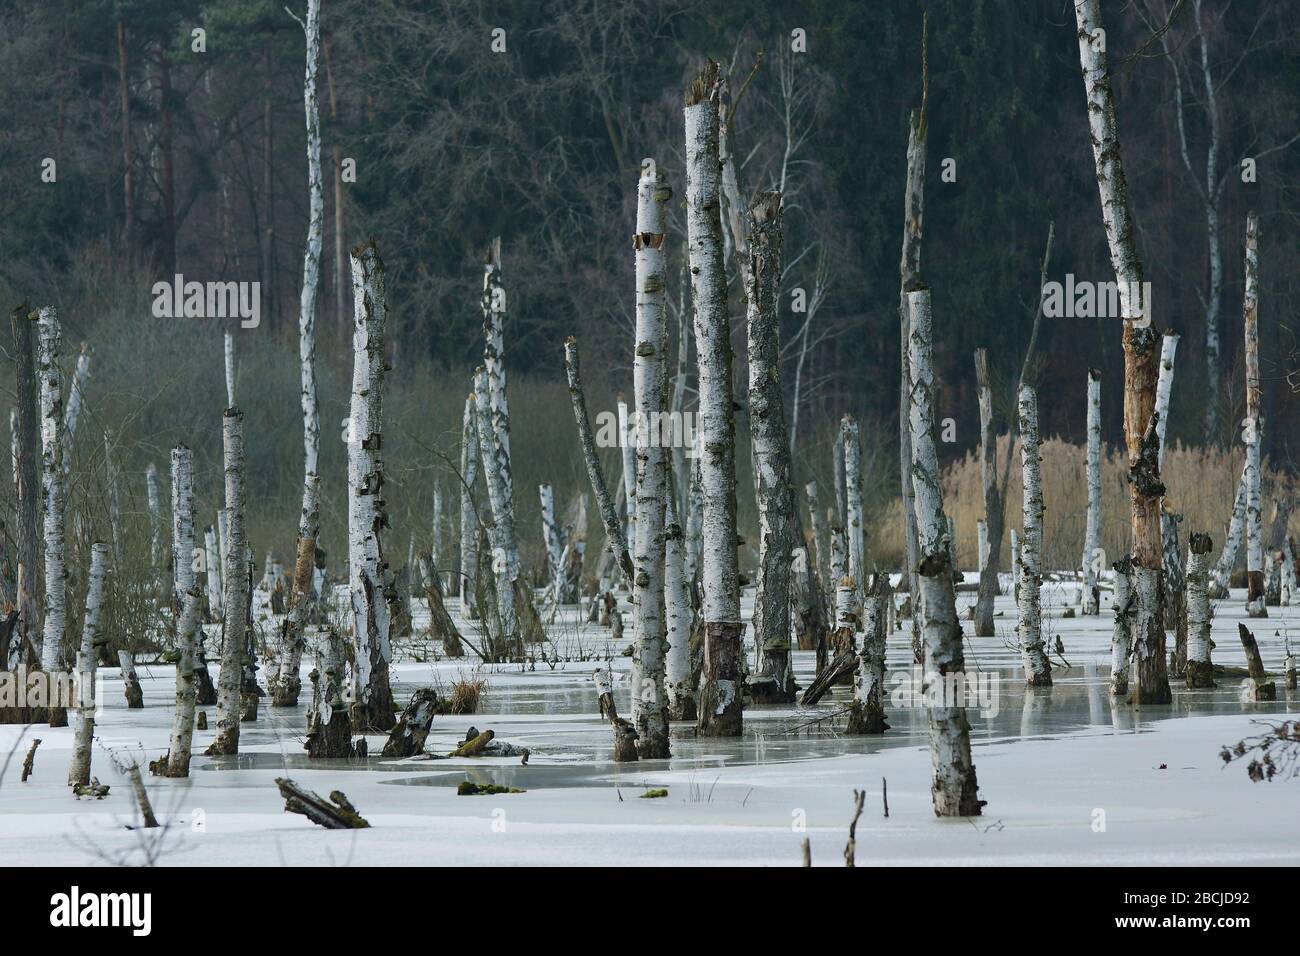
(30,759)
(1260,687)
(342,815)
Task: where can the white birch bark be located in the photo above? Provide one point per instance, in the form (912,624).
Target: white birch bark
(213,563)
(1121,640)
(694,525)
(1038,672)
(494,315)
(1015,566)
(982,543)
(1253,427)
(54,627)
(909,272)
(853,525)
(868,713)
(777,524)
(551,537)
(954,789)
(236,583)
(1199,669)
(438,559)
(990,559)
(79,375)
(111,479)
(154,499)
(817,556)
(182,738)
(92,640)
(287,682)
(507,641)
(469,456)
(182,527)
(627,443)
(720,704)
(1222,572)
(1164,388)
(1092,534)
(679,684)
(650,371)
(230,369)
(370,692)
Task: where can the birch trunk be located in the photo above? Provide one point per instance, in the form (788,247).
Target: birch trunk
(1253,427)
(720,703)
(213,576)
(287,684)
(92,639)
(816,554)
(1145,489)
(237,597)
(230,369)
(774,682)
(1092,534)
(627,447)
(506,643)
(988,587)
(1222,572)
(868,710)
(678,672)
(615,539)
(1015,567)
(29,490)
(54,628)
(437,557)
(1200,672)
(909,273)
(1121,647)
(79,375)
(650,371)
(554,546)
(182,738)
(954,787)
(110,478)
(329,731)
(371,696)
(154,500)
(841,489)
(469,455)
(1038,671)
(853,499)
(182,528)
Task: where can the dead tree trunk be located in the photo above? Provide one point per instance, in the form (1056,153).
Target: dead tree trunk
(614,537)
(1200,672)
(154,501)
(867,715)
(469,455)
(720,702)
(131,689)
(1145,488)
(1253,427)
(909,273)
(371,697)
(1038,671)
(1260,687)
(990,562)
(407,738)
(774,680)
(52,482)
(237,592)
(28,490)
(286,684)
(954,788)
(1092,534)
(678,673)
(1222,572)
(87,658)
(1121,646)
(506,643)
(853,526)
(177,761)
(329,730)
(650,374)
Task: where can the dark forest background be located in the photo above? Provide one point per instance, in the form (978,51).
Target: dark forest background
(541,144)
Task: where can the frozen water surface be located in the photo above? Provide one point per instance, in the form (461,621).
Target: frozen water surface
(1070,775)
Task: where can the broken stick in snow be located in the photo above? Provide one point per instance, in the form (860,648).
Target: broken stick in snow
(29,761)
(1259,686)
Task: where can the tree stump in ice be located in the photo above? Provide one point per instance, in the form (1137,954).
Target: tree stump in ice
(408,737)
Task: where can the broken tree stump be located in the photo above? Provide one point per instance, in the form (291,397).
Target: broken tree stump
(30,759)
(1260,687)
(408,737)
(338,815)
(625,737)
(130,681)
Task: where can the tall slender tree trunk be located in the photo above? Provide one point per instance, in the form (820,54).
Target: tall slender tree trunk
(650,371)
(29,489)
(989,564)
(909,273)
(1145,488)
(371,696)
(237,592)
(505,643)
(720,702)
(1092,533)
(867,715)
(54,629)
(87,657)
(1199,672)
(1121,646)
(853,522)
(469,455)
(954,789)
(679,682)
(1038,672)
(340,241)
(1253,427)
(774,680)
